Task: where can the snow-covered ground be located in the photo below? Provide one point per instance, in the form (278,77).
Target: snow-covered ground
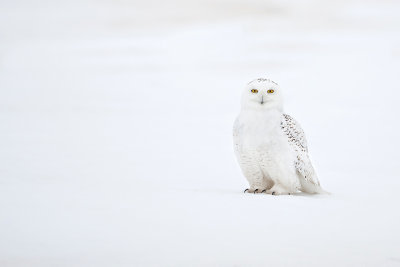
(115,132)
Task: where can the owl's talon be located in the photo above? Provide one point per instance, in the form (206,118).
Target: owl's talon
(246,190)
(273,193)
(263,191)
(255,191)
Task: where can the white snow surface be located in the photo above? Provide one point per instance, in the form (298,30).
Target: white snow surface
(116,132)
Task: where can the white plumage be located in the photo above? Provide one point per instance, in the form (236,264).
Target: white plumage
(270,146)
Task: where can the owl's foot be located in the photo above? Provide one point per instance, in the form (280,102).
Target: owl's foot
(255,191)
(278,190)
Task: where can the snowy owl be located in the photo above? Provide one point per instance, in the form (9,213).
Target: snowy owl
(270,146)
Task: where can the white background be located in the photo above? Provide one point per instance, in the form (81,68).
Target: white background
(115,132)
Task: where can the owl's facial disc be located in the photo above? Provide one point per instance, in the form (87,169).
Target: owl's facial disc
(262,94)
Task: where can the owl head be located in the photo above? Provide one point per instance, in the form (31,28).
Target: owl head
(262,94)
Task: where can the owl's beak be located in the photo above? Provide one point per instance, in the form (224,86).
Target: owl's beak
(262,99)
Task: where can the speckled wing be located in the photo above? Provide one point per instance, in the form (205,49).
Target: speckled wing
(298,142)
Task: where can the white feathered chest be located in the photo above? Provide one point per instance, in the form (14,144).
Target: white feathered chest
(262,132)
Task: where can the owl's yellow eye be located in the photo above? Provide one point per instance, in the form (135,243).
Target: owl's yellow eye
(270,91)
(254,91)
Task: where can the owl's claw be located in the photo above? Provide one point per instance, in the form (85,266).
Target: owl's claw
(254,191)
(273,193)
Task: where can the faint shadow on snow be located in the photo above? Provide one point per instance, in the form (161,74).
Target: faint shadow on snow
(220,191)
